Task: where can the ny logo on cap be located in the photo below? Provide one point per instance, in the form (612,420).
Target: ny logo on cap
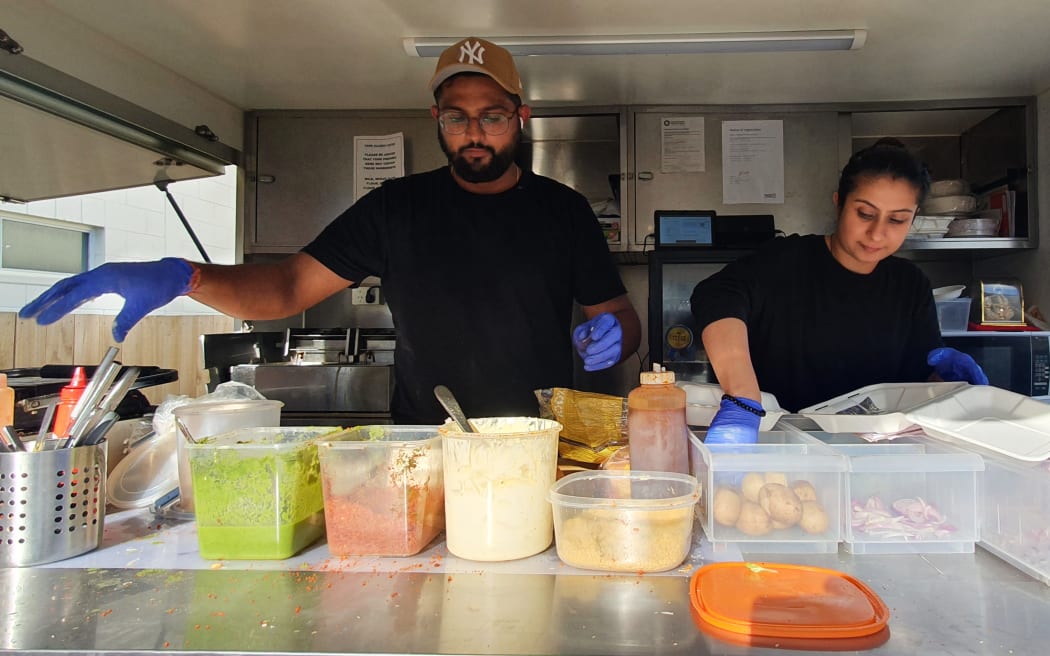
(472,54)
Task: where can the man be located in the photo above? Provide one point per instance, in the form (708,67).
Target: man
(481,263)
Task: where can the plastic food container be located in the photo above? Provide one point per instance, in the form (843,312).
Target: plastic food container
(703,399)
(787,603)
(624,521)
(989,417)
(383,490)
(258,492)
(911,495)
(205,419)
(1015,512)
(929,226)
(973,227)
(496,484)
(952,315)
(876,408)
(781,495)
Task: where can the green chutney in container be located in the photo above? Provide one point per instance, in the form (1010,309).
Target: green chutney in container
(258,492)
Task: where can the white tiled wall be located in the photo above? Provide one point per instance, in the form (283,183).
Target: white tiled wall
(136,225)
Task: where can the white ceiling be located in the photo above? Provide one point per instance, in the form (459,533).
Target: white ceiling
(346,54)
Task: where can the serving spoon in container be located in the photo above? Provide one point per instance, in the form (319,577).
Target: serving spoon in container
(451,405)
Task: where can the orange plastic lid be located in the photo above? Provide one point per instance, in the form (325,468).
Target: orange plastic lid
(785,601)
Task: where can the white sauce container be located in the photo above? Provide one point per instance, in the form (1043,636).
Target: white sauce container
(496,484)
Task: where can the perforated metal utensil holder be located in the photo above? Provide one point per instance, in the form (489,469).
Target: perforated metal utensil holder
(52,504)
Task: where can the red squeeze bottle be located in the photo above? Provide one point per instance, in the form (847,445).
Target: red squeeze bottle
(67,399)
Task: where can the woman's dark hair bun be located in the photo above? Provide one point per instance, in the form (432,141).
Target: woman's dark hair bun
(890,157)
(889,142)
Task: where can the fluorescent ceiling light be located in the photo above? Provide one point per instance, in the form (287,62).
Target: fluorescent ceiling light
(656,44)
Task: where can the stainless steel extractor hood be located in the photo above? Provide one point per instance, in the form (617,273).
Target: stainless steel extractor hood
(60,137)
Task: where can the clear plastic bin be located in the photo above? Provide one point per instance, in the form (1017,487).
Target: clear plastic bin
(908,496)
(383,490)
(258,492)
(953,314)
(212,418)
(624,521)
(1015,512)
(801,513)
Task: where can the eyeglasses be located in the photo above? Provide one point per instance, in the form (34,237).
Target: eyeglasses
(492,124)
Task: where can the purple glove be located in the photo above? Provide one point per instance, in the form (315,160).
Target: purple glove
(145,287)
(952,365)
(599,342)
(735,425)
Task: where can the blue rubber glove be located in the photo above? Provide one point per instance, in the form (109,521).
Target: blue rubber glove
(145,287)
(952,365)
(733,424)
(599,341)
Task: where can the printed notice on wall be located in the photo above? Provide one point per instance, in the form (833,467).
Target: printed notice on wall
(377,159)
(682,144)
(752,162)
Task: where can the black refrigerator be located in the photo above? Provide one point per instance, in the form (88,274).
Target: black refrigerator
(674,340)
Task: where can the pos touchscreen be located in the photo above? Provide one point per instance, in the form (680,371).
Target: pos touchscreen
(683,228)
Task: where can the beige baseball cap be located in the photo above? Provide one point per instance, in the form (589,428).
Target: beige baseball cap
(474,55)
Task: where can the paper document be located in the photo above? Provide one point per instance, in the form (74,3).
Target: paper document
(377,159)
(752,162)
(682,144)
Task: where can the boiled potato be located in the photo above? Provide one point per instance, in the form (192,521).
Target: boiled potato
(776,477)
(780,503)
(814,518)
(726,506)
(804,490)
(753,520)
(752,483)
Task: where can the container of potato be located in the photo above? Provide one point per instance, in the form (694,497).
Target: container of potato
(781,495)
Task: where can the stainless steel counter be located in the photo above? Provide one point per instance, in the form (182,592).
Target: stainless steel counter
(943,604)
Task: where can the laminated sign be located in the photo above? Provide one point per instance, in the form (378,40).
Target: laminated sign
(377,159)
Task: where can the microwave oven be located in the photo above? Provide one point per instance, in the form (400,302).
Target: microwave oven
(1015,361)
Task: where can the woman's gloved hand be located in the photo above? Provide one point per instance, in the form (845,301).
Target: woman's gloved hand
(734,423)
(145,286)
(952,365)
(599,341)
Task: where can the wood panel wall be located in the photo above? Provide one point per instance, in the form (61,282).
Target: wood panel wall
(168,342)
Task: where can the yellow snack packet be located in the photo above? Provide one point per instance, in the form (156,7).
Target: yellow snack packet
(589,419)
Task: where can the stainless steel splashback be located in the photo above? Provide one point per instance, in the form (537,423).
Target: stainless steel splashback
(580,151)
(321,388)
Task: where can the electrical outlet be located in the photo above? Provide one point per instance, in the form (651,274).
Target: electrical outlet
(365,296)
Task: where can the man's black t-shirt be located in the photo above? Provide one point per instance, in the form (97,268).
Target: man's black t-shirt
(817,330)
(481,287)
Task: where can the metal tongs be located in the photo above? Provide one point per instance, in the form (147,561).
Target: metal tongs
(10,440)
(99,418)
(95,412)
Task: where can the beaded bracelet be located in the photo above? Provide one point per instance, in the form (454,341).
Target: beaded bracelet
(760,412)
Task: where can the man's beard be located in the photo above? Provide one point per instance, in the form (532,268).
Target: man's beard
(476,171)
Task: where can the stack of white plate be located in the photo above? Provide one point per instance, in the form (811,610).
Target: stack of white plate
(947,201)
(950,205)
(929,227)
(939,188)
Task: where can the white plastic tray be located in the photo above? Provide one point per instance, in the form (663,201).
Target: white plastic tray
(990,417)
(892,400)
(702,401)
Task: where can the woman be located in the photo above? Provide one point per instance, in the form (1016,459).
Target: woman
(808,318)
